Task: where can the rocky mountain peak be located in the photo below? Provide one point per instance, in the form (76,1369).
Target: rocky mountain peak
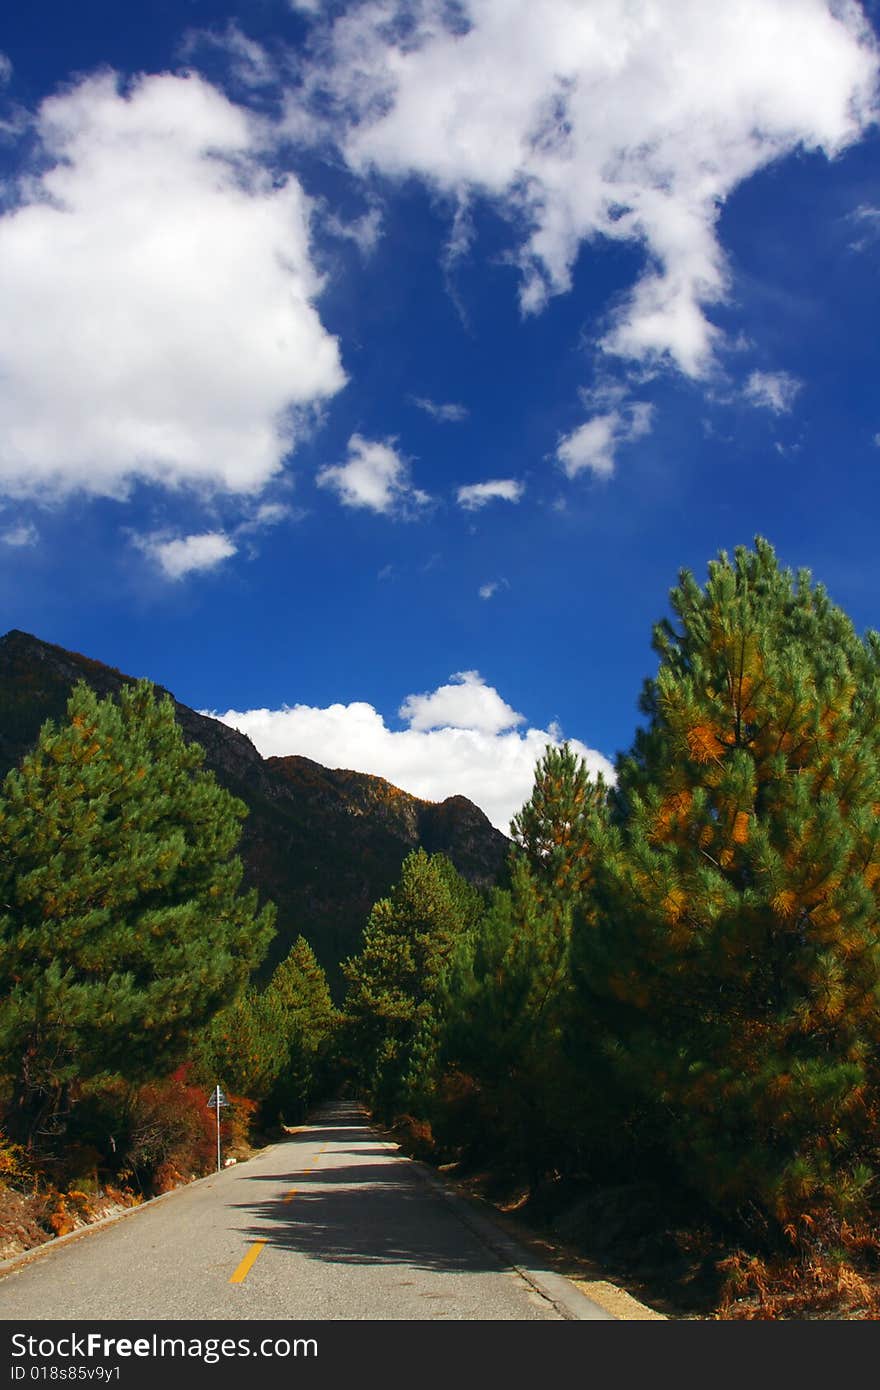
(323,843)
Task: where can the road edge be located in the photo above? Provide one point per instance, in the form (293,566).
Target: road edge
(14,1262)
(569,1300)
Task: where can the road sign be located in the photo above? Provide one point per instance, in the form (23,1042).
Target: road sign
(215,1101)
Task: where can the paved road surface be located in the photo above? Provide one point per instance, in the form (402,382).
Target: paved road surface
(330,1223)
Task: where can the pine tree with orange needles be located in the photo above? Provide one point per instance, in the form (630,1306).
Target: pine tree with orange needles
(735,952)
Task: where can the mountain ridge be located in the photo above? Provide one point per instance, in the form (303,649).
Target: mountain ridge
(323,843)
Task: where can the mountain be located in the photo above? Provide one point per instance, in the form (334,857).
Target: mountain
(323,844)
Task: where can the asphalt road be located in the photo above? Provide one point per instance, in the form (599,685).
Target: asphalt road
(331,1223)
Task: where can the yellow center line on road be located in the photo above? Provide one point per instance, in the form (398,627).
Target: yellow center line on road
(289,1195)
(241,1273)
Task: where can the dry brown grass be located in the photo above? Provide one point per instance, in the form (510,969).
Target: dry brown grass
(831,1272)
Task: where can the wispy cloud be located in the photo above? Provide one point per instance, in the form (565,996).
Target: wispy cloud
(867,219)
(249,62)
(490,589)
(267,514)
(179,556)
(476,495)
(449,413)
(364,231)
(594,445)
(19,536)
(774,391)
(376,478)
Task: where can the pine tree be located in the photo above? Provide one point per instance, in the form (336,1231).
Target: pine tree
(509,991)
(272,1045)
(395,980)
(553,831)
(503,1002)
(123,927)
(299,990)
(734,953)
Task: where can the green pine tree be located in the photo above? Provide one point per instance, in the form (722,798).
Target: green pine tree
(395,980)
(733,948)
(299,990)
(509,994)
(553,831)
(274,1044)
(123,926)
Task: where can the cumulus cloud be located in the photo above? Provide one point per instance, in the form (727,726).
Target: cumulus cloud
(476,495)
(490,759)
(594,444)
(490,589)
(375,477)
(157,287)
(465,703)
(446,412)
(184,555)
(19,536)
(630,120)
(772,390)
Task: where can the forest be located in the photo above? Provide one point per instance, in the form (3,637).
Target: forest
(673,990)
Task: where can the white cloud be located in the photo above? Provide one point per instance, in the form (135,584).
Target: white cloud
(270,513)
(868,218)
(249,62)
(18,536)
(185,554)
(629,120)
(594,444)
(490,589)
(476,495)
(5,69)
(157,287)
(375,477)
(267,514)
(772,390)
(447,413)
(466,703)
(364,231)
(490,762)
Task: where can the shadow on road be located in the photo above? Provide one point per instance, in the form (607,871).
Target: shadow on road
(362,1212)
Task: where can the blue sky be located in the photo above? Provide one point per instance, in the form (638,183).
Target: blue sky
(369,370)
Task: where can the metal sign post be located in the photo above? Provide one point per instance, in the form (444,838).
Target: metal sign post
(215,1101)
